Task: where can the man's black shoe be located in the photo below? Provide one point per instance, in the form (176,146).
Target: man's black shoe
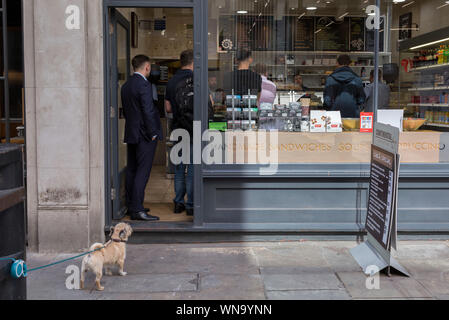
(179,208)
(147,210)
(143,216)
(189,212)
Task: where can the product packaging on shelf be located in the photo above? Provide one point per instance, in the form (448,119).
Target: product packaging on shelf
(318,121)
(305,126)
(333,121)
(230,99)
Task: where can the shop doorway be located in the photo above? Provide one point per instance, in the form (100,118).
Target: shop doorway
(161,33)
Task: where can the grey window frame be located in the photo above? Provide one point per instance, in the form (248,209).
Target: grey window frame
(200,8)
(5,78)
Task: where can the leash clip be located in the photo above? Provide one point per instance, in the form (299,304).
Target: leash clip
(18,269)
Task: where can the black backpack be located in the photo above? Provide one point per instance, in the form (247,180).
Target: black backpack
(184,92)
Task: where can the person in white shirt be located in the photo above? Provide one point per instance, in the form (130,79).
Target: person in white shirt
(268,93)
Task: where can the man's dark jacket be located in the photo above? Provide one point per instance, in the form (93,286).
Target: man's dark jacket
(344,92)
(142,117)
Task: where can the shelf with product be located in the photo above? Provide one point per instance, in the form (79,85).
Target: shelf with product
(313,66)
(424,78)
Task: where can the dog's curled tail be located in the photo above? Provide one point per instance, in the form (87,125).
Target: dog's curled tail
(96,247)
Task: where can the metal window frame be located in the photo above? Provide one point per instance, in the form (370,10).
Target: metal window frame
(5,78)
(200,21)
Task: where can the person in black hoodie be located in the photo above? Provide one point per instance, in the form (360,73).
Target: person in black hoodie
(344,90)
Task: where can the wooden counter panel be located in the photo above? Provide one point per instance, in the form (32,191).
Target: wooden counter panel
(345,147)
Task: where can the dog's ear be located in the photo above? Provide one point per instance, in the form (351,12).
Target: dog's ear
(111,231)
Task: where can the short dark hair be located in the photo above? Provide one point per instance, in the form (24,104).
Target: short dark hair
(243,54)
(344,60)
(186,57)
(260,68)
(139,60)
(371,74)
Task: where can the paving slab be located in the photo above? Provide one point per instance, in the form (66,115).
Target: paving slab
(339,259)
(141,296)
(308,295)
(289,270)
(435,268)
(390,287)
(205,260)
(422,250)
(145,283)
(438,287)
(304,281)
(50,283)
(304,255)
(230,287)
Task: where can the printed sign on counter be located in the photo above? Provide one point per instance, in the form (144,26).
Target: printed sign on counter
(366,121)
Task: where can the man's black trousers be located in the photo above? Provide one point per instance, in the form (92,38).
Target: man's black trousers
(140,162)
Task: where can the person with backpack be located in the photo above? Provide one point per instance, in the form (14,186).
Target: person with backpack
(344,90)
(179,102)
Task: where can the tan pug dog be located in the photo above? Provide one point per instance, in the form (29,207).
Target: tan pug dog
(111,253)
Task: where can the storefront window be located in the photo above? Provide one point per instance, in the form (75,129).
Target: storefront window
(306,68)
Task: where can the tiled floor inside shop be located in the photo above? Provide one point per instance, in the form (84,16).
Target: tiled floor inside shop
(159,197)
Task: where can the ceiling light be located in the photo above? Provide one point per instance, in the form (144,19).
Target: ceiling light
(343,15)
(398,1)
(429,44)
(311,8)
(410,3)
(242,12)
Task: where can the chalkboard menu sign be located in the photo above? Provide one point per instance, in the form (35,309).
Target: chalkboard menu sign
(289,33)
(304,35)
(382,193)
(405,22)
(357,37)
(369,40)
(332,35)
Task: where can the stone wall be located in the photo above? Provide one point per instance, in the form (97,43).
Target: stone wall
(64,121)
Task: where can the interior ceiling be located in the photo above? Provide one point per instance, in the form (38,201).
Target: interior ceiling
(355,7)
(167,12)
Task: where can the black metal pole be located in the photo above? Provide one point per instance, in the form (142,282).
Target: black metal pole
(6,70)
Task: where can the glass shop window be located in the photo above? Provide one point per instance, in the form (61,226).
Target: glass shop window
(306,70)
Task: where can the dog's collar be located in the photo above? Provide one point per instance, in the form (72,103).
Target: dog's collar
(119,240)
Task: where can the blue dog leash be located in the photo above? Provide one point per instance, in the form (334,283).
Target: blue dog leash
(19,268)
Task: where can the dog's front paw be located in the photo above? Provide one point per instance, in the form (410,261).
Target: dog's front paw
(122,273)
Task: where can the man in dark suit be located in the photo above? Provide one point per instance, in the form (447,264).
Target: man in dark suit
(142,132)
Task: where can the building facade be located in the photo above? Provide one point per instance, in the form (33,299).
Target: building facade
(321,184)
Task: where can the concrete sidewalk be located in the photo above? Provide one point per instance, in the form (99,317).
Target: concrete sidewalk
(240,271)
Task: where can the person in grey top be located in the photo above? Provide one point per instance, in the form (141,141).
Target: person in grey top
(384,94)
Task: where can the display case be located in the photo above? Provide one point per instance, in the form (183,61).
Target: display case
(317,179)
(424,81)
